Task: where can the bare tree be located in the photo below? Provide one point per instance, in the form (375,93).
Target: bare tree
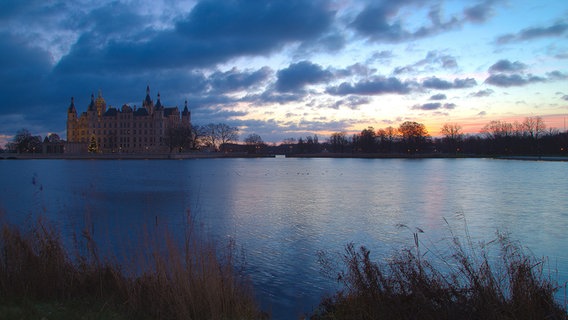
(215,135)
(452,136)
(24,142)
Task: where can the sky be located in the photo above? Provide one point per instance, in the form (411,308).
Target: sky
(287,68)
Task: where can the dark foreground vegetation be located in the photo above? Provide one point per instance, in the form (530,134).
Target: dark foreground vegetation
(40,279)
(490,281)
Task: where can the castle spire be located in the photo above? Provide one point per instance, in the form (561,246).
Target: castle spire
(92,105)
(72,106)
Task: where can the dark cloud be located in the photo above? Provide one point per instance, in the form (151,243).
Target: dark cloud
(557,75)
(375,86)
(565,97)
(356,70)
(507,66)
(440,84)
(352,102)
(235,80)
(480,12)
(439,96)
(300,74)
(482,93)
(512,80)
(23,67)
(379,20)
(556,30)
(434,106)
(213,32)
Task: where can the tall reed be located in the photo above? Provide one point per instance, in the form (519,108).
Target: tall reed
(167,280)
(467,283)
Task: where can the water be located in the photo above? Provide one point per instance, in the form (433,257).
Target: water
(282,212)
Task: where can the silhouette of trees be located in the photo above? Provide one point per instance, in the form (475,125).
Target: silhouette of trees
(254,143)
(218,134)
(413,135)
(338,142)
(179,138)
(453,137)
(24,142)
(366,141)
(387,138)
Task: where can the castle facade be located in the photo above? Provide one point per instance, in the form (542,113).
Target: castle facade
(127,130)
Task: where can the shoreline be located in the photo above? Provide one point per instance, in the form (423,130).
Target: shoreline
(212,155)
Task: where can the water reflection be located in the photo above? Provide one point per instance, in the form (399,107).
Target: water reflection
(283,211)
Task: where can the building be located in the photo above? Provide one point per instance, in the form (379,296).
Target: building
(128,129)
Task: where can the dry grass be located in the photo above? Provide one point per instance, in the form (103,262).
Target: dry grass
(192,280)
(473,285)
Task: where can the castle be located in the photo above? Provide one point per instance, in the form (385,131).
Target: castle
(128,130)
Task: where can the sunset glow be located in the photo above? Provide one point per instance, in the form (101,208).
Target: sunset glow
(286,69)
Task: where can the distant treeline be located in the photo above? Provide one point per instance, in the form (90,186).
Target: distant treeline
(530,137)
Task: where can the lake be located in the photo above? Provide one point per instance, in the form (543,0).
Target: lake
(283,211)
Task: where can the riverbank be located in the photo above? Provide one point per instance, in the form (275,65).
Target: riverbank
(213,155)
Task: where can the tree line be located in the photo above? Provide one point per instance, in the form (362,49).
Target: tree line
(529,137)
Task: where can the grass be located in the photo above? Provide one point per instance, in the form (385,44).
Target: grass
(467,283)
(39,278)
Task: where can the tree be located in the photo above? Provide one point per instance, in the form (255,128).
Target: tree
(254,143)
(93,147)
(198,134)
(386,138)
(498,135)
(452,136)
(413,135)
(216,135)
(24,142)
(53,138)
(179,138)
(366,141)
(338,142)
(227,133)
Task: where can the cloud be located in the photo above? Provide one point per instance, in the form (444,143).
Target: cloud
(235,80)
(300,74)
(482,93)
(434,106)
(512,80)
(375,86)
(434,59)
(507,66)
(557,75)
(440,84)
(565,97)
(379,21)
(480,12)
(213,32)
(558,29)
(351,102)
(439,96)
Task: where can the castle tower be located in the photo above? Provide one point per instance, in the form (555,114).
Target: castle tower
(147,102)
(100,104)
(185,116)
(71,121)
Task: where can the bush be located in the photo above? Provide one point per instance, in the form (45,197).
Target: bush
(471,285)
(188,281)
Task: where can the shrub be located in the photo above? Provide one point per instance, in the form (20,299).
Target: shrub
(465,284)
(188,281)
